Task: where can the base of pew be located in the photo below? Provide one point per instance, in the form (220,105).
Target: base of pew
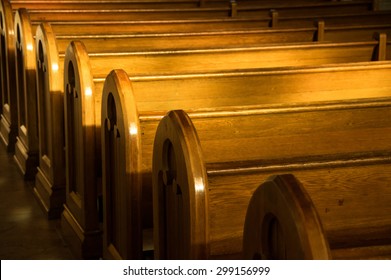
(26,161)
(50,197)
(148,252)
(85,245)
(381,252)
(8,134)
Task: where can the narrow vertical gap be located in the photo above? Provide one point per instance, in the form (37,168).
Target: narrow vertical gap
(42,88)
(71,101)
(20,76)
(113,227)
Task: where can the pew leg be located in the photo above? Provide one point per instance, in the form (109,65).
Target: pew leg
(26,160)
(8,134)
(50,197)
(84,244)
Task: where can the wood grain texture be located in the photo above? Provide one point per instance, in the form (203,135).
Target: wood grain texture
(355,218)
(232,171)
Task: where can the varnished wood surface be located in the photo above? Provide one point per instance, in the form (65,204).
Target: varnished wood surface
(151,110)
(212,24)
(26,150)
(235,170)
(290,227)
(340,195)
(8,126)
(91,128)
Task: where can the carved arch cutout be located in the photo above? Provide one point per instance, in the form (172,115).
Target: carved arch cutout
(43,101)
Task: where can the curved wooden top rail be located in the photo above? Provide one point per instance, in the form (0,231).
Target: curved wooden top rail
(26,69)
(178,170)
(282,223)
(48,57)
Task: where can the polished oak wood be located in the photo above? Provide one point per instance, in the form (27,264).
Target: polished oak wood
(206,167)
(338,213)
(85,73)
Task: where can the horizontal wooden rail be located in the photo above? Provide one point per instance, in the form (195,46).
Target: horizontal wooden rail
(316,9)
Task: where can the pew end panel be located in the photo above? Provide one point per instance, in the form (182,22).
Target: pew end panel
(179,187)
(9,116)
(122,170)
(80,218)
(26,149)
(50,178)
(282,223)
(355,226)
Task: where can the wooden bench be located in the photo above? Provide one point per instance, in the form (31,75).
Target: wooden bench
(206,167)
(27,141)
(50,57)
(204,91)
(340,216)
(312,234)
(8,126)
(24,31)
(146,63)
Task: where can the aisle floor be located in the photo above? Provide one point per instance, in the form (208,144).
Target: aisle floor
(25,232)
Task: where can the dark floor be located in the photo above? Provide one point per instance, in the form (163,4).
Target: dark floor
(25,232)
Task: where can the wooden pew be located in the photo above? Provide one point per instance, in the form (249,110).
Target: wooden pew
(234,10)
(25,31)
(292,217)
(8,126)
(27,141)
(46,56)
(203,91)
(206,167)
(10,129)
(331,217)
(78,72)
